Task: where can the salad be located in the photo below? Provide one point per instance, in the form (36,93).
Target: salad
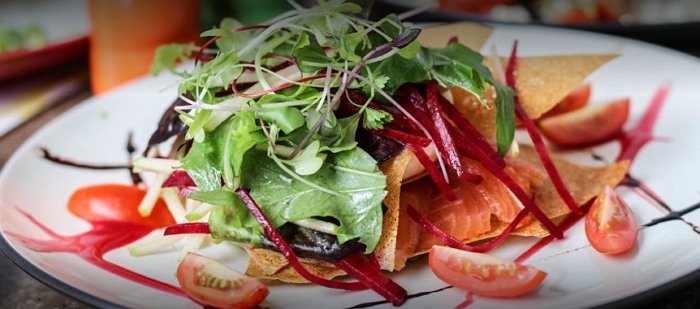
(326,145)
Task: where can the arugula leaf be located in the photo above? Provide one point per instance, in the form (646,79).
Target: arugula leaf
(329,132)
(346,140)
(287,118)
(230,219)
(399,71)
(167,57)
(348,44)
(201,168)
(505,118)
(228,41)
(309,50)
(458,65)
(221,154)
(309,161)
(353,174)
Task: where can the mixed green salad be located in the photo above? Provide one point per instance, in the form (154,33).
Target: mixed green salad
(280,138)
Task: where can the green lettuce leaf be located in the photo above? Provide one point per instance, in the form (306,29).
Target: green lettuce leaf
(458,65)
(221,154)
(354,177)
(230,219)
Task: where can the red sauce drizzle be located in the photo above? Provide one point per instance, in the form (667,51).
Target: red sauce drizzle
(633,140)
(467,302)
(105,235)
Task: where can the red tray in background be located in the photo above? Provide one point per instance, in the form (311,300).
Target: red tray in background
(22,63)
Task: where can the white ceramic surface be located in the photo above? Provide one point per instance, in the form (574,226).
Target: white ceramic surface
(579,277)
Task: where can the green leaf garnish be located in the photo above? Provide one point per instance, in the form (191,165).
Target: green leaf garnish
(375,119)
(167,57)
(353,174)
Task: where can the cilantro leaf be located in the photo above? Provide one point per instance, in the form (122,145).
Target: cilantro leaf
(375,119)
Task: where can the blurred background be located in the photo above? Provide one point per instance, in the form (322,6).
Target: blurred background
(119,36)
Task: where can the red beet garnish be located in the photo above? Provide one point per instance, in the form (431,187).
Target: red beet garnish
(402,137)
(180,179)
(448,144)
(416,104)
(433,171)
(537,138)
(470,131)
(285,250)
(633,140)
(449,240)
(359,267)
(187,228)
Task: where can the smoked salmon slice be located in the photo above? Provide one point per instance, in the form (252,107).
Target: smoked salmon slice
(471,214)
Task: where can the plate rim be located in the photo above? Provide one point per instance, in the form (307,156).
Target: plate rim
(652,294)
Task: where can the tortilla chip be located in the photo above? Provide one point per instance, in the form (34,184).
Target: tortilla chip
(268,264)
(393,169)
(472,35)
(542,82)
(584,182)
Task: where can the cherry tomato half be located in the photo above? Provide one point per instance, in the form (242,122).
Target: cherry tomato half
(610,224)
(483,274)
(578,98)
(116,202)
(215,284)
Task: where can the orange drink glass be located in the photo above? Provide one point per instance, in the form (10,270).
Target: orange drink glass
(126,33)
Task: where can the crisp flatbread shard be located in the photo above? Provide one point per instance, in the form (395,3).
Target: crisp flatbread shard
(469,34)
(542,82)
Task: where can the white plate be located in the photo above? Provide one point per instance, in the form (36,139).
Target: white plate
(579,277)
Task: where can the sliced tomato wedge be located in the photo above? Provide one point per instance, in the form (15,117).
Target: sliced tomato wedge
(577,99)
(586,126)
(212,283)
(117,202)
(483,274)
(610,224)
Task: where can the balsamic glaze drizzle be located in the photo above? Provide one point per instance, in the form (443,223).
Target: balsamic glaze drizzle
(632,182)
(59,160)
(130,149)
(677,215)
